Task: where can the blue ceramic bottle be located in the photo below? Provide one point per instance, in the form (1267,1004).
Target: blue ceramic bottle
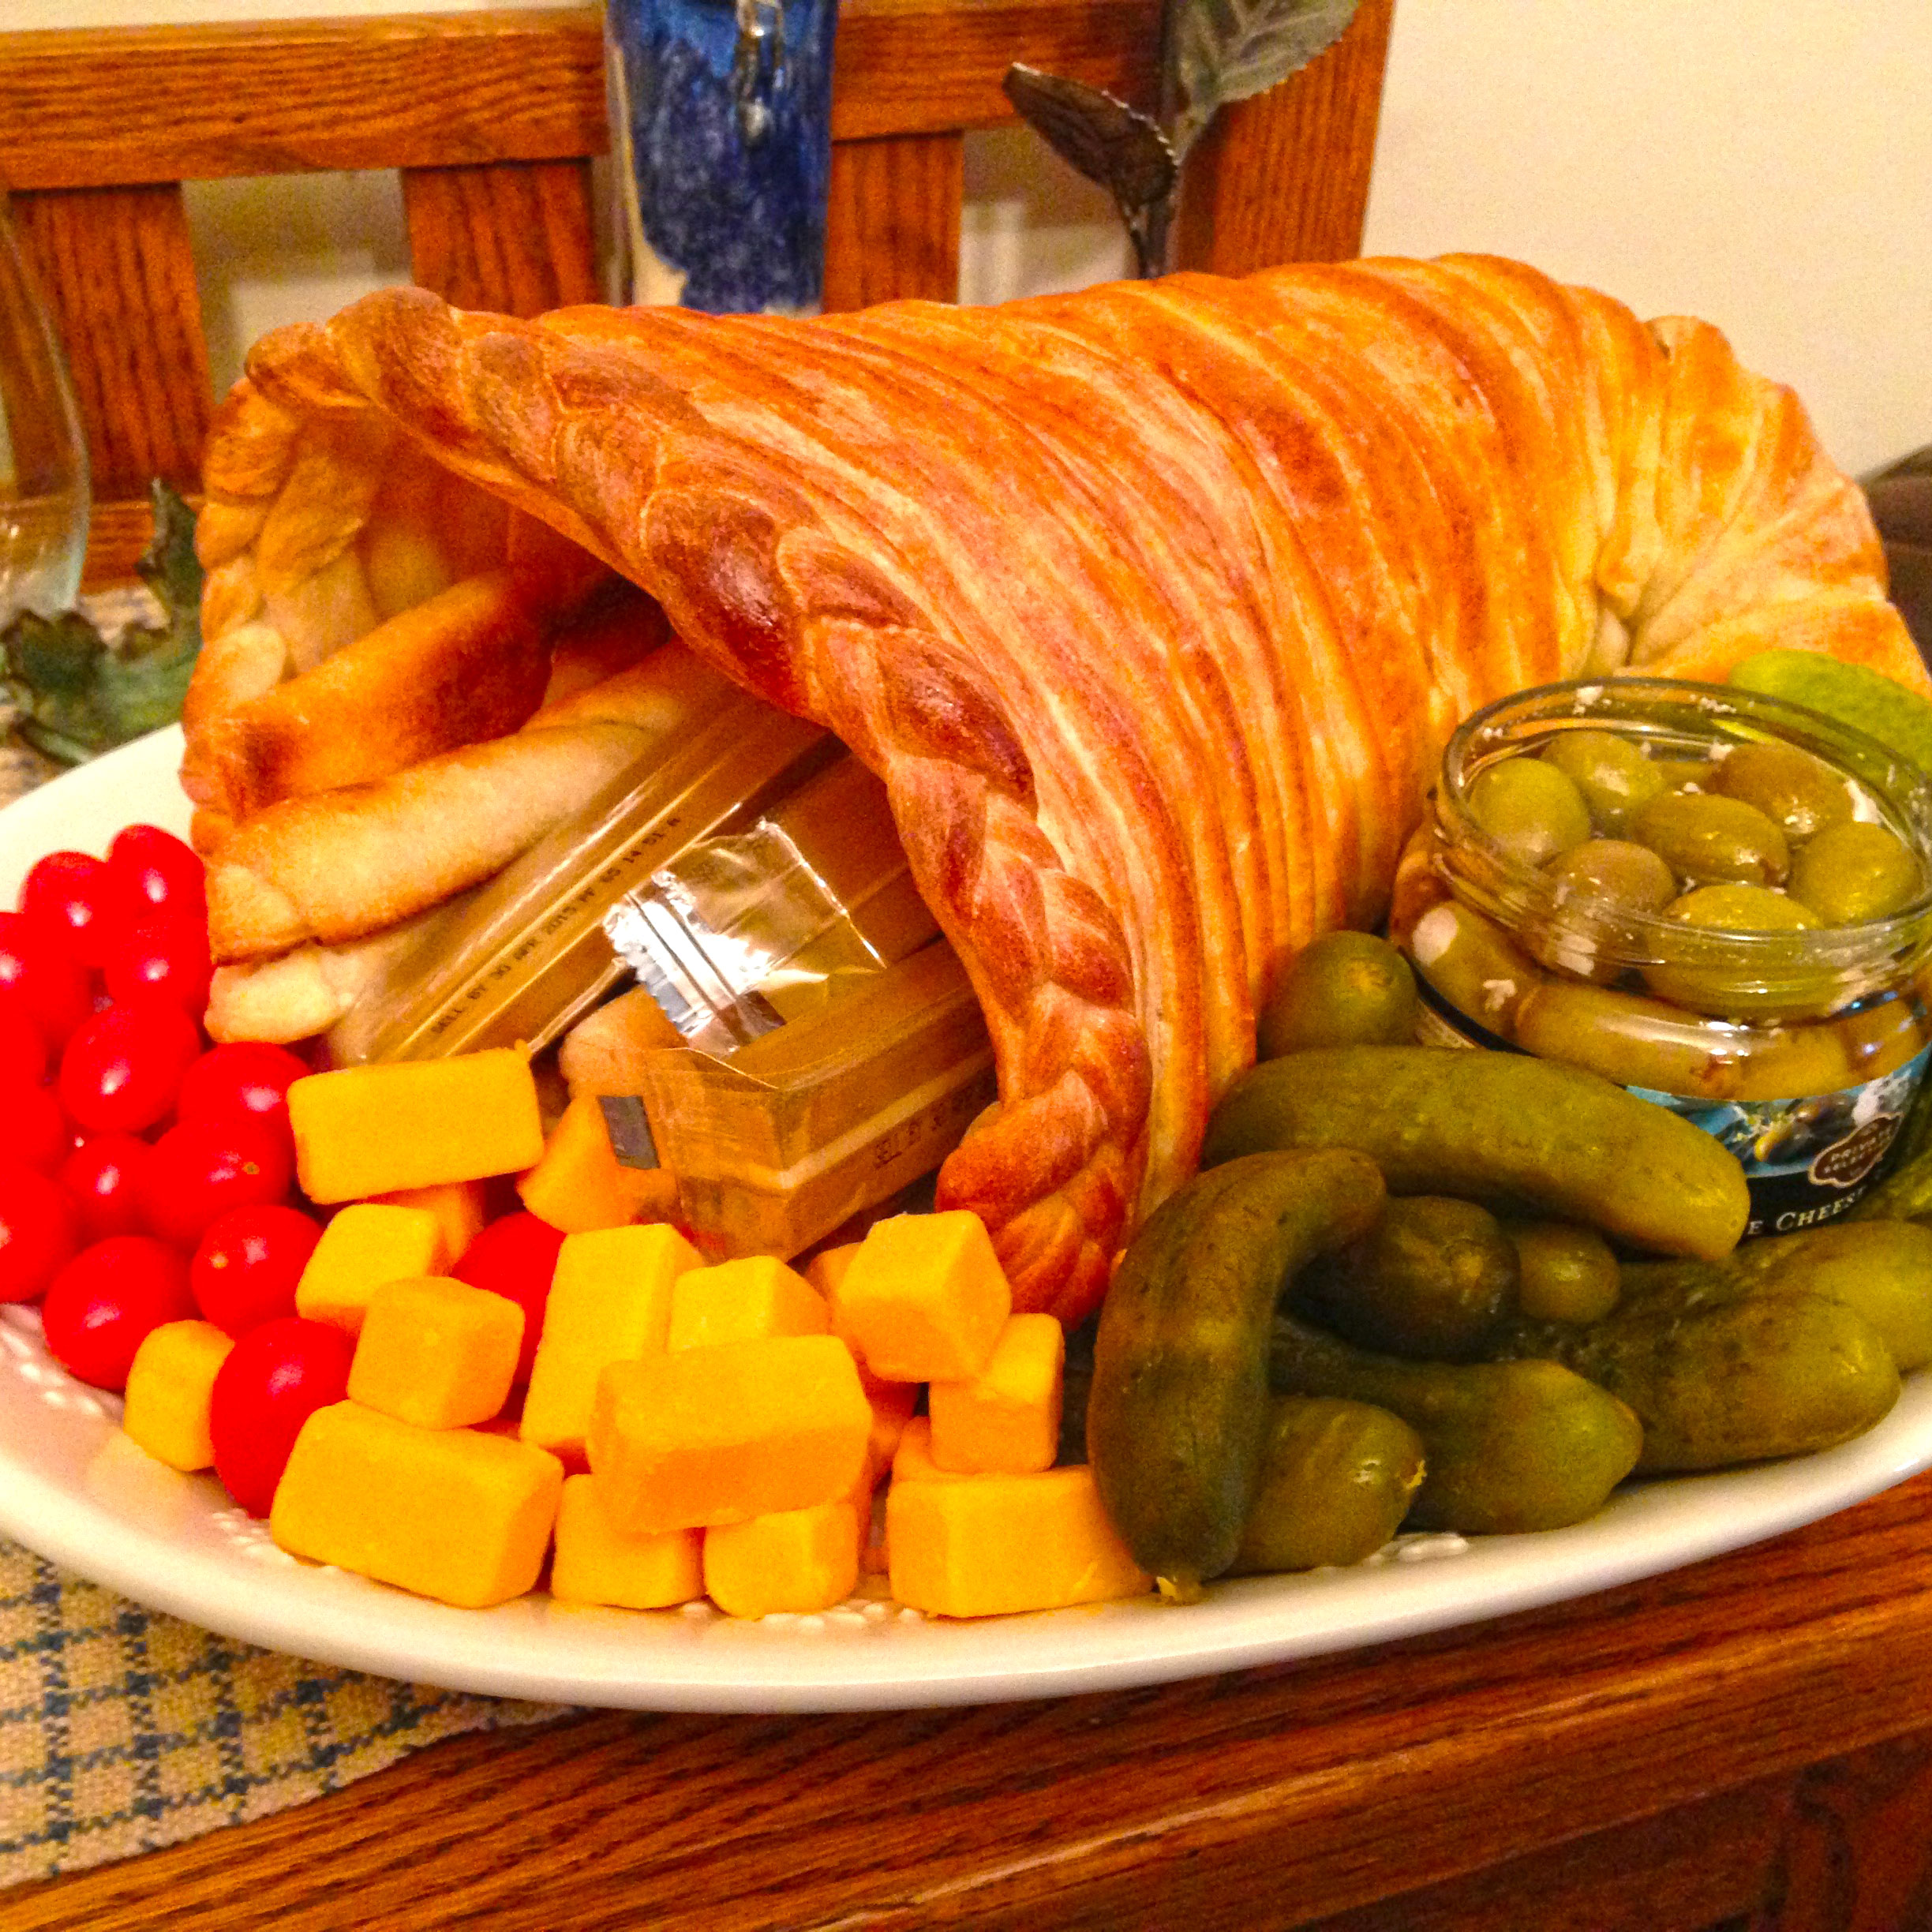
(721,119)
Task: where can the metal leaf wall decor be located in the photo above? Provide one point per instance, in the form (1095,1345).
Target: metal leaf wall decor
(1214,51)
(1111,142)
(1224,50)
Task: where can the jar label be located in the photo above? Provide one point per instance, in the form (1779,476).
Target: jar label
(1807,1160)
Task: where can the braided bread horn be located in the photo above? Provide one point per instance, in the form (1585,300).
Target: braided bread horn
(1151,605)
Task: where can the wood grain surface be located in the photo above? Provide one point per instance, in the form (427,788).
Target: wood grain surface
(1420,1772)
(98,107)
(119,277)
(892,220)
(514,236)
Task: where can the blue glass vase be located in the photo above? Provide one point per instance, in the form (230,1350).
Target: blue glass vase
(721,143)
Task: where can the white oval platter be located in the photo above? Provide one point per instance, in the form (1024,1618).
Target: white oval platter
(74,1488)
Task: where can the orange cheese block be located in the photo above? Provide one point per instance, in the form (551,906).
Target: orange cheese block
(365,1130)
(742,1301)
(437,1353)
(924,1299)
(368,1243)
(596,1563)
(912,1460)
(1005,1419)
(610,1301)
(460,1207)
(892,1404)
(580,1186)
(801,1560)
(826,1269)
(989,1545)
(456,1515)
(168,1388)
(719,1435)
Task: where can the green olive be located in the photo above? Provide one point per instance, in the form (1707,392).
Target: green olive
(1563,1272)
(1530,809)
(1616,871)
(1634,1041)
(1614,776)
(1710,840)
(1791,788)
(1471,963)
(1679,773)
(1880,1038)
(1784,1063)
(1855,872)
(1741,908)
(1738,994)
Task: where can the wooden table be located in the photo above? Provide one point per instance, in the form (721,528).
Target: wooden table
(1747,1744)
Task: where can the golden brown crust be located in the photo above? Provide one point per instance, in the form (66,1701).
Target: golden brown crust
(469,665)
(1152,605)
(340,865)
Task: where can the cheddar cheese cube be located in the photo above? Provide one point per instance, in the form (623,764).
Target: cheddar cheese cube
(743,1302)
(366,1130)
(610,1301)
(687,1439)
(596,1563)
(924,1299)
(363,1247)
(168,1389)
(913,1460)
(1005,1419)
(990,1545)
(580,1186)
(437,1353)
(826,1269)
(801,1561)
(452,1514)
(892,1404)
(460,1207)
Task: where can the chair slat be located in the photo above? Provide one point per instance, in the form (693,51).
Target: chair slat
(892,220)
(119,276)
(513,237)
(93,108)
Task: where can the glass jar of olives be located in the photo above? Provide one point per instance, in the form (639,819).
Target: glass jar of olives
(1720,900)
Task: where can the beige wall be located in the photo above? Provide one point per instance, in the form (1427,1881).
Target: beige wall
(1767,163)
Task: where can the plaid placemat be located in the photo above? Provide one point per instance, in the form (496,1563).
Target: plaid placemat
(122,1730)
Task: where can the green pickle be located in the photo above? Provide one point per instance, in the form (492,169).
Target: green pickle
(1736,1381)
(1853,694)
(1347,989)
(1428,1281)
(1507,1446)
(1564,1272)
(1336,1479)
(1881,1270)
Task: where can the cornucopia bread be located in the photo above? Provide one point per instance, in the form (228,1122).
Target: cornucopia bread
(1153,605)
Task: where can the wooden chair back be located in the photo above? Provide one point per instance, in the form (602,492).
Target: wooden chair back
(492,119)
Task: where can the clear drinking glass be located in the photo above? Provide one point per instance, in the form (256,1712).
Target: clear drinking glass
(43,462)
